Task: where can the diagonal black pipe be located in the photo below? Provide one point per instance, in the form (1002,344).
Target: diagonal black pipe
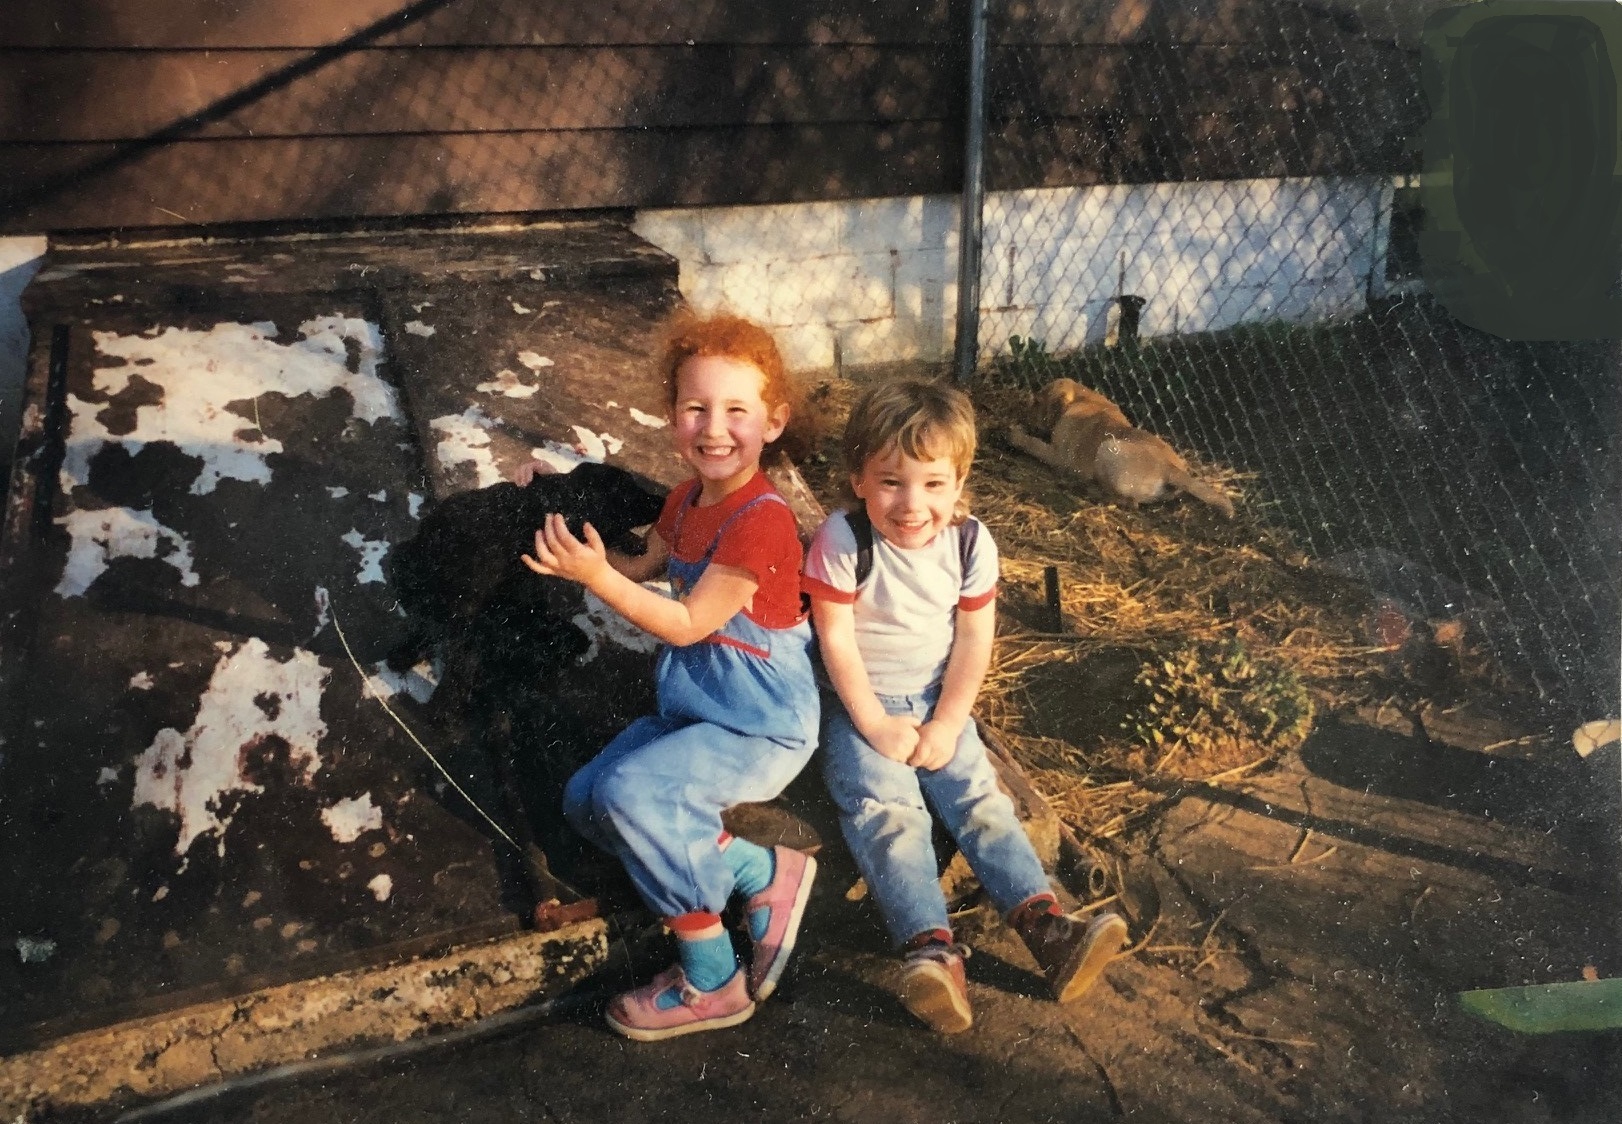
(127,152)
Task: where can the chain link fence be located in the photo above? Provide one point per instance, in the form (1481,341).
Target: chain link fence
(1240,276)
(1204,210)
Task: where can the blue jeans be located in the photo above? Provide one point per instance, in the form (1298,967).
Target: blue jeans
(653,798)
(887,825)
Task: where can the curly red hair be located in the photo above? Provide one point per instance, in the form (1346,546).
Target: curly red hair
(688,335)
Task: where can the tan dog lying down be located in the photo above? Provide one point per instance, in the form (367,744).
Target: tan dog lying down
(1092,438)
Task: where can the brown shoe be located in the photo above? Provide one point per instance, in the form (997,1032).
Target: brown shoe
(1071,954)
(933,987)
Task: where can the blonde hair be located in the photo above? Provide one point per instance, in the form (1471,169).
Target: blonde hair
(923,421)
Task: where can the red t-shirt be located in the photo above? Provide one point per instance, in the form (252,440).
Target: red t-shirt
(764,541)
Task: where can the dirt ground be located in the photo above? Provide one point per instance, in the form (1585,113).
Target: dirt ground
(1294,975)
(1301,926)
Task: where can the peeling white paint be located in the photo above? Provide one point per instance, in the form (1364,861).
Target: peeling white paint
(464,439)
(418,307)
(141,681)
(194,773)
(599,623)
(371,556)
(596,446)
(201,372)
(338,493)
(32,951)
(323,609)
(381,887)
(108,775)
(380,497)
(117,532)
(521,310)
(349,819)
(418,328)
(413,504)
(508,383)
(647,419)
(561,457)
(534,361)
(418,683)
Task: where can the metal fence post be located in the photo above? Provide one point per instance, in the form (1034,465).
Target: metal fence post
(967,345)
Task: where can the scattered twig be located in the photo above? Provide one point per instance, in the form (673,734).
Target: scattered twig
(1302,1043)
(1239,770)
(1413,911)
(366,681)
(1318,858)
(1300,846)
(1147,937)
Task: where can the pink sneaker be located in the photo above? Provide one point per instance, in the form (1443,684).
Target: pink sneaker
(640,1013)
(786,898)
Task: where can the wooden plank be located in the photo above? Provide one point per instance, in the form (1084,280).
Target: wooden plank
(1117,148)
(169,24)
(1211,22)
(1156,79)
(124,95)
(60,187)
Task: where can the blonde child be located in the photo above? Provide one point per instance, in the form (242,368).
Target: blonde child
(737,701)
(903,589)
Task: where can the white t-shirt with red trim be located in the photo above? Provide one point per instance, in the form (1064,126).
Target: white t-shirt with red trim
(906,611)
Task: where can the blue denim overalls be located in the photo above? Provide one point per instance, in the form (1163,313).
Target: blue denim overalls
(737,721)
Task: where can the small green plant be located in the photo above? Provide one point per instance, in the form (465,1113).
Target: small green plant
(1028,349)
(1209,707)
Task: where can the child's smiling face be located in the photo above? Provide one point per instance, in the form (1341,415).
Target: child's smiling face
(908,501)
(721,422)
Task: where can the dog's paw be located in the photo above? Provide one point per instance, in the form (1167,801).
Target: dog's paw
(1008,439)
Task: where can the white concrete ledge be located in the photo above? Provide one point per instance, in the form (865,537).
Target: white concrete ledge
(163,1054)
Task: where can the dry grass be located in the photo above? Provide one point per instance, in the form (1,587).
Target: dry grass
(1133,584)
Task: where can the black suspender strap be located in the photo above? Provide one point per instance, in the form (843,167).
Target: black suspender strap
(862,527)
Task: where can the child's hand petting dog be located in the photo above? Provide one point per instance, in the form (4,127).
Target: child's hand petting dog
(559,554)
(529,470)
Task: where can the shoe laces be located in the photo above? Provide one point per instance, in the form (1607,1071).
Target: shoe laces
(685,991)
(941,951)
(1059,927)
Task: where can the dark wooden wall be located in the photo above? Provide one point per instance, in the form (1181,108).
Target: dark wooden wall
(175,112)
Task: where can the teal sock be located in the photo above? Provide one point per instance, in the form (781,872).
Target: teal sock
(753,868)
(708,963)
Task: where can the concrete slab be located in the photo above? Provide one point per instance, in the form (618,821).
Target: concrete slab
(201,798)
(212,816)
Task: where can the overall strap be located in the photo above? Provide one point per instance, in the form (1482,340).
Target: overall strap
(691,499)
(682,506)
(861,526)
(721,531)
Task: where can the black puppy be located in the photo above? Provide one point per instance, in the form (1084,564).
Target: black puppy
(506,634)
(463,585)
(472,541)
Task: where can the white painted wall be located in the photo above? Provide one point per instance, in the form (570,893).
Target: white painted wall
(873,280)
(20,259)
